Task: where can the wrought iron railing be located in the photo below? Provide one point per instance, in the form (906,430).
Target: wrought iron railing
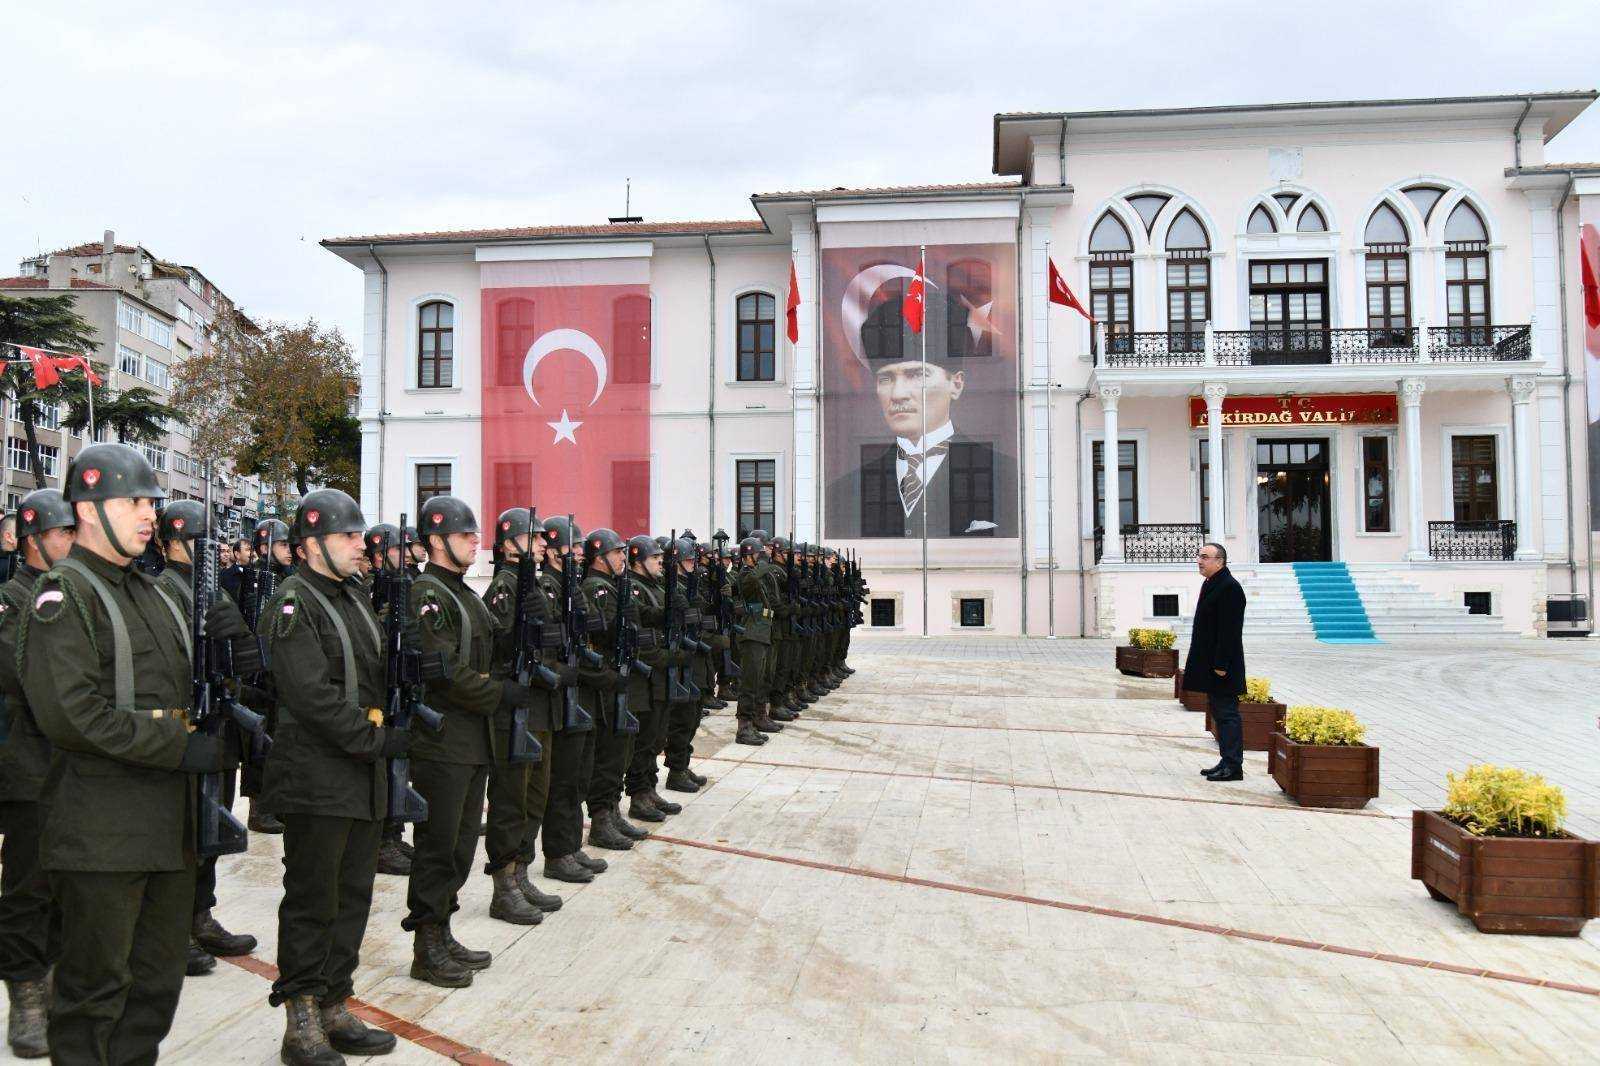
(1155,542)
(1269,346)
(1274,346)
(1480,344)
(1488,540)
(1155,349)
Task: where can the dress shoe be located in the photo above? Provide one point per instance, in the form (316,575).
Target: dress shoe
(432,962)
(530,891)
(681,781)
(351,1035)
(209,934)
(604,834)
(592,864)
(471,958)
(664,805)
(748,734)
(1227,773)
(1208,771)
(567,869)
(199,961)
(640,807)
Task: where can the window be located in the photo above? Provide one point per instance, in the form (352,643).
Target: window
(971,489)
(1149,206)
(433,479)
(157,374)
(128,360)
(630,341)
(630,496)
(1466,274)
(757,338)
(1111,281)
(1188,284)
(184,314)
(882,514)
(1311,221)
(1473,475)
(1289,306)
(1424,198)
(758,494)
(17,456)
(48,415)
(1376,496)
(1127,483)
(1204,465)
(514,335)
(436,345)
(1164,605)
(156,457)
(195,284)
(1478,602)
(882,611)
(883,334)
(967,288)
(1388,295)
(1261,221)
(1286,200)
(1385,227)
(130,317)
(972,612)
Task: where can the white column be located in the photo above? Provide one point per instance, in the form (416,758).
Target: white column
(1110,516)
(1214,392)
(1523,390)
(803,383)
(1411,415)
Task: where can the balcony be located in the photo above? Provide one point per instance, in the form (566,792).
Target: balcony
(1156,542)
(1490,541)
(1318,347)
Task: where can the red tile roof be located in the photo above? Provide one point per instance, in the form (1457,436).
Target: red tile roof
(44,283)
(611,229)
(891,190)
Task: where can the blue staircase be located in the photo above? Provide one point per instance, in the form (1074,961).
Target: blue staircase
(1331,599)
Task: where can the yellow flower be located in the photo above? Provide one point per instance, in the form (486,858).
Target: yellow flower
(1323,725)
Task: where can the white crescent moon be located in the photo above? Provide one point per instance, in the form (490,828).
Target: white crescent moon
(858,294)
(557,340)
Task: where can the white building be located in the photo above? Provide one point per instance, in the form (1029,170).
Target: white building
(1370,310)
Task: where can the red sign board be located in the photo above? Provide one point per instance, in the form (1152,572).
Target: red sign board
(1353,409)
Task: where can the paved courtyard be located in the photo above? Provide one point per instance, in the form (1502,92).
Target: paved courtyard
(1000,851)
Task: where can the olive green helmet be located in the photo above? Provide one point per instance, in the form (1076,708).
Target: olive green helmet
(111,472)
(181,520)
(43,510)
(327,511)
(443,515)
(512,523)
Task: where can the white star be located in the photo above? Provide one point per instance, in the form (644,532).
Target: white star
(564,428)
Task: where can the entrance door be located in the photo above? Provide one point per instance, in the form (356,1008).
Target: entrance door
(1294,522)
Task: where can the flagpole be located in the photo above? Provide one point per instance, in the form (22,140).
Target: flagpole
(1050,450)
(922,469)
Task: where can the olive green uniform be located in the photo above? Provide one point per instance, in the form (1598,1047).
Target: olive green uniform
(325,778)
(571,752)
(612,750)
(757,592)
(647,696)
(118,839)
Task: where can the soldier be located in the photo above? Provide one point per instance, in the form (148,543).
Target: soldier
(571,753)
(755,644)
(518,790)
(326,780)
(451,768)
(606,555)
(8,546)
(648,696)
(383,557)
(106,670)
(271,567)
(30,921)
(684,720)
(180,522)
(418,551)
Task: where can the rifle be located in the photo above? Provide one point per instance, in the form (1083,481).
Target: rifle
(625,645)
(574,639)
(678,689)
(404,670)
(797,628)
(211,707)
(527,642)
(726,626)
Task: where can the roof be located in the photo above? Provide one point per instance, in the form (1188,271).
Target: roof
(94,248)
(513,233)
(1306,105)
(1553,168)
(842,193)
(44,283)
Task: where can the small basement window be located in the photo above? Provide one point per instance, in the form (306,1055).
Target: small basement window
(1164,605)
(1479,602)
(883,612)
(972,612)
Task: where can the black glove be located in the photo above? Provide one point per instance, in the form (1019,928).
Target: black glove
(396,742)
(246,655)
(224,620)
(203,754)
(514,695)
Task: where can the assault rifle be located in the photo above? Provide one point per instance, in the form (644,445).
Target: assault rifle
(792,593)
(722,607)
(625,657)
(405,669)
(211,706)
(527,642)
(574,639)
(679,689)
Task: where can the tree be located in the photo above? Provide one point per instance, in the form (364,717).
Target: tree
(274,399)
(136,415)
(49,322)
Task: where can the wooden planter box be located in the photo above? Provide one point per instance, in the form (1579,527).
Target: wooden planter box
(1324,775)
(1177,684)
(1548,887)
(1137,662)
(1198,702)
(1260,721)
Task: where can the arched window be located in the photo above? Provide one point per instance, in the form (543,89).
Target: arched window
(1188,283)
(630,340)
(1466,276)
(436,345)
(1261,221)
(968,290)
(1385,227)
(758,336)
(514,334)
(1287,200)
(1148,205)
(1388,274)
(1111,281)
(1424,197)
(1311,220)
(883,333)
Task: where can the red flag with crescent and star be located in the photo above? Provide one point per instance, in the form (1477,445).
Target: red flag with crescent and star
(916,299)
(1061,293)
(794,305)
(566,389)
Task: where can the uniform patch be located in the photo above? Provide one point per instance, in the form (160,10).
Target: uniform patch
(288,614)
(50,603)
(431,610)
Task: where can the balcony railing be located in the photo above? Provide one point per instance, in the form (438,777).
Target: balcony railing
(1491,540)
(1156,542)
(1271,346)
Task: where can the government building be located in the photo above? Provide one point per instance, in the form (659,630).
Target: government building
(1350,341)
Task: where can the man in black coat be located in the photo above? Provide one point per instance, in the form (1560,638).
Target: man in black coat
(1215,664)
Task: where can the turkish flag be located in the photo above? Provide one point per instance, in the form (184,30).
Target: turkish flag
(1061,294)
(566,391)
(915,301)
(1589,254)
(794,305)
(44,366)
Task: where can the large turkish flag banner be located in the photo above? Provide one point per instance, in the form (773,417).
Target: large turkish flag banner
(566,390)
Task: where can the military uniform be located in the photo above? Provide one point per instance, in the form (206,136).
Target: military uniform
(612,749)
(755,645)
(648,699)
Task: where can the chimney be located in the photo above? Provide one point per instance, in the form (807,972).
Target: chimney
(108,247)
(58,272)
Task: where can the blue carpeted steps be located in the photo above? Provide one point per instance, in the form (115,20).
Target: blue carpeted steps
(1333,603)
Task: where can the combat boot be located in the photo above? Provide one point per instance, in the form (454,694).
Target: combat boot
(393,860)
(350,1034)
(209,934)
(432,962)
(781,714)
(748,734)
(714,703)
(662,804)
(681,781)
(262,822)
(567,868)
(471,958)
(199,961)
(764,721)
(700,779)
(603,833)
(640,807)
(304,1042)
(590,863)
(530,891)
(508,904)
(625,827)
(27,1025)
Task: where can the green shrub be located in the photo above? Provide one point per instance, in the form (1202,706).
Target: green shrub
(1503,801)
(1322,725)
(1256,690)
(1152,639)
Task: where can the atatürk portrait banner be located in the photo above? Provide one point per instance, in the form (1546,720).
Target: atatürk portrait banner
(916,434)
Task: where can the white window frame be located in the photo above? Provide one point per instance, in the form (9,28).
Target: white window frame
(125,352)
(414,347)
(149,375)
(1140,438)
(1392,435)
(1196,438)
(780,500)
(414,461)
(731,357)
(1504,470)
(17,454)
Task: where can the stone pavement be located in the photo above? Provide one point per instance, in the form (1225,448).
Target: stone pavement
(994,850)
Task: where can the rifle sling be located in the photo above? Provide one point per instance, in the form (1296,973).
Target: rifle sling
(464,651)
(121,646)
(346,648)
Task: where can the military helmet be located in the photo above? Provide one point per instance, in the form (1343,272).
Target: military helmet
(600,541)
(686,548)
(761,535)
(661,541)
(272,530)
(778,544)
(512,523)
(382,536)
(43,510)
(111,472)
(443,515)
(750,545)
(327,511)
(640,548)
(558,535)
(181,520)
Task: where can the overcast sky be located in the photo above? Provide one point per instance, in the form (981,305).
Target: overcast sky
(234,137)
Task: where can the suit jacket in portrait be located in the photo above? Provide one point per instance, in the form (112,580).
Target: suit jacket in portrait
(972,493)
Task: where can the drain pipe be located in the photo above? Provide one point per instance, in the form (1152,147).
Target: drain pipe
(711,392)
(1566,375)
(383,372)
(1516,134)
(1077,462)
(1022,430)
